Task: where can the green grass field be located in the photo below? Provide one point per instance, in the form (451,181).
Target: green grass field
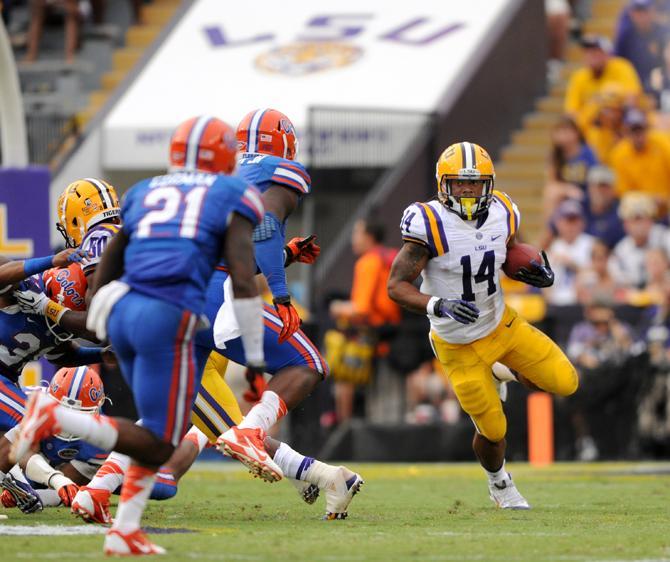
(605,512)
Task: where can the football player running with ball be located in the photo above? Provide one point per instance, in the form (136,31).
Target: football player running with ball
(458,245)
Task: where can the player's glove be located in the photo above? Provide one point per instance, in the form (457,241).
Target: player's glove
(541,275)
(257,386)
(30,298)
(303,250)
(289,317)
(66,257)
(67,493)
(462,311)
(22,494)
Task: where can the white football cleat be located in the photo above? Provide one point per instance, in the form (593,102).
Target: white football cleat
(129,544)
(246,445)
(340,485)
(308,493)
(506,496)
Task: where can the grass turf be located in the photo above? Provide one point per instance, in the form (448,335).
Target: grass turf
(605,512)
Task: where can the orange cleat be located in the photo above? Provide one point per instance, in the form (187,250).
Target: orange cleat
(246,446)
(130,544)
(92,505)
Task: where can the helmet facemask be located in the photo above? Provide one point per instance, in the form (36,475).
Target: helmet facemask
(468,208)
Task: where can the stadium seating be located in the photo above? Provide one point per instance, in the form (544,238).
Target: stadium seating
(522,164)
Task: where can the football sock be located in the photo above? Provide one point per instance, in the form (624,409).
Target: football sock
(197,437)
(266,413)
(293,464)
(49,498)
(110,475)
(137,486)
(498,476)
(98,430)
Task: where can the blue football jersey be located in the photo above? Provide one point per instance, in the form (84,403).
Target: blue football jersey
(23,338)
(262,170)
(58,451)
(176,225)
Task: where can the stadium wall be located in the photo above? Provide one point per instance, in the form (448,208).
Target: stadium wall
(507,74)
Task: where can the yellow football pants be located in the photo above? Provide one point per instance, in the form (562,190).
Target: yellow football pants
(519,346)
(216,408)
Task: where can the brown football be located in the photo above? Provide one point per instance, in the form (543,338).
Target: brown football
(520,255)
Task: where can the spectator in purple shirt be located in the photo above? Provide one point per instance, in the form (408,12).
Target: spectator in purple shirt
(601,213)
(641,41)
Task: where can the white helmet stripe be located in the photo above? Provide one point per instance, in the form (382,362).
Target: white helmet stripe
(76,382)
(194,141)
(104,192)
(469,153)
(252,145)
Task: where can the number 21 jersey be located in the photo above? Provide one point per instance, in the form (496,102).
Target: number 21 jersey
(465,261)
(176,224)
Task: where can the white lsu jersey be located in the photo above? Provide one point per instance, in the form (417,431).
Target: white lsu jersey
(465,261)
(94,243)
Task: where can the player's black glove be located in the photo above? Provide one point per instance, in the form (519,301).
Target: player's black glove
(462,311)
(540,276)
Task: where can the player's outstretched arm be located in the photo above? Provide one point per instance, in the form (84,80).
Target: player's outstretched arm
(15,271)
(407,266)
(239,254)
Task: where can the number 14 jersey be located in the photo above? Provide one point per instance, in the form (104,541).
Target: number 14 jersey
(466,257)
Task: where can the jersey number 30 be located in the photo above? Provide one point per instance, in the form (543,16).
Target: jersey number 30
(185,208)
(486,273)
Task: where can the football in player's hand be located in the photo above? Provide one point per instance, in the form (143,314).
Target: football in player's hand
(520,256)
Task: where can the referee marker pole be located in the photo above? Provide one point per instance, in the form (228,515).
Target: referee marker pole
(13,139)
(540,429)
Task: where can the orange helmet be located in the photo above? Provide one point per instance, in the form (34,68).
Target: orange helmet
(78,388)
(204,143)
(465,161)
(66,286)
(267,131)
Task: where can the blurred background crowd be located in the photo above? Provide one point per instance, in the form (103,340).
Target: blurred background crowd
(589,168)
(605,229)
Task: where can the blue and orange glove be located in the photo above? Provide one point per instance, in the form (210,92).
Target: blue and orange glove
(303,250)
(289,317)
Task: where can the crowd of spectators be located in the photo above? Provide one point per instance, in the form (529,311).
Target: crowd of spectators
(70,15)
(606,204)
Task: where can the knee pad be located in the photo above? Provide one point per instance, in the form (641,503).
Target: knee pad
(492,425)
(567,379)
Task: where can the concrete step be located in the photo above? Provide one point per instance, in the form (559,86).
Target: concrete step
(514,172)
(159,13)
(110,80)
(532,138)
(141,36)
(124,59)
(516,153)
(601,26)
(520,187)
(550,104)
(539,121)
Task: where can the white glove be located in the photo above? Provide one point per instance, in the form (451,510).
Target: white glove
(30,299)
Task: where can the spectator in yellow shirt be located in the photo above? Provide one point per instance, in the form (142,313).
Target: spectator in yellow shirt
(601,69)
(641,160)
(604,127)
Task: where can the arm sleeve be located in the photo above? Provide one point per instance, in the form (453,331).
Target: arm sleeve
(268,240)
(414,228)
(250,204)
(292,175)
